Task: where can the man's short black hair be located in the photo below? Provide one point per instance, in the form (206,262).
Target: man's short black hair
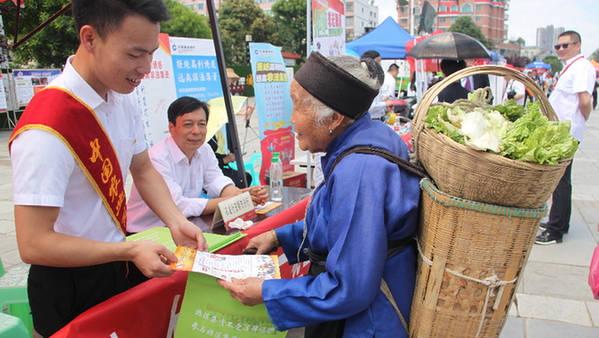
(370,54)
(393,66)
(449,67)
(106,16)
(184,105)
(574,35)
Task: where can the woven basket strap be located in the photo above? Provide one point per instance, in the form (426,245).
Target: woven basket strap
(389,156)
(387,292)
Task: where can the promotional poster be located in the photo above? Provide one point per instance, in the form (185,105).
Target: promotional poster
(273,104)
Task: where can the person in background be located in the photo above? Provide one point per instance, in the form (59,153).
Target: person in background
(515,90)
(453,91)
(571,99)
(380,104)
(549,83)
(476,81)
(71,152)
(595,91)
(355,217)
(390,82)
(412,85)
(536,77)
(188,166)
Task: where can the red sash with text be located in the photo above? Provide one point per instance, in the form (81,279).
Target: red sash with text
(61,113)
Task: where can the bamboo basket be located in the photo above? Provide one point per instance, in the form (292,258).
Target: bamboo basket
(482,176)
(471,257)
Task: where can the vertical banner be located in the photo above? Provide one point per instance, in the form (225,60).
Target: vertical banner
(156,92)
(181,67)
(196,70)
(3,104)
(273,103)
(29,82)
(197,75)
(328,29)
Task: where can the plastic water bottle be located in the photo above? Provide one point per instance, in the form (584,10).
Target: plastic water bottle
(276,178)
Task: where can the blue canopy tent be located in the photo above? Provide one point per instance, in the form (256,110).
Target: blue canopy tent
(389,39)
(538,64)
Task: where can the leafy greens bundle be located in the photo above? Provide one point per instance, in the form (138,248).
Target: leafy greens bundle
(510,130)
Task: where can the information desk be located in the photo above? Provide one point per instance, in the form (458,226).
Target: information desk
(151,309)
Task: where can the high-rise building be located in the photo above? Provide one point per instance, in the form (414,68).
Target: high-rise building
(489,15)
(360,17)
(547,37)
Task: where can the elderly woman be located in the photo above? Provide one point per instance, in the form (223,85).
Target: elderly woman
(357,227)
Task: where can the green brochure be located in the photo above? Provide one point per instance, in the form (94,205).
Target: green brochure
(162,235)
(208,310)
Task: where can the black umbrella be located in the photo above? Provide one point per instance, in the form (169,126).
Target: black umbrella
(449,45)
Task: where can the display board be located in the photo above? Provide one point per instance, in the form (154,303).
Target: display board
(273,104)
(30,81)
(181,67)
(328,30)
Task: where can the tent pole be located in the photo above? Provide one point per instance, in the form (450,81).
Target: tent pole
(308,44)
(411,17)
(222,68)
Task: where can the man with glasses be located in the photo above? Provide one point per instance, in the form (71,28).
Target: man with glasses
(571,99)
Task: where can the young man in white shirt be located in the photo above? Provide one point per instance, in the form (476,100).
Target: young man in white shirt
(390,82)
(571,99)
(70,218)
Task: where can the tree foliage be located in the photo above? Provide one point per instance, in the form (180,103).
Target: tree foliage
(54,43)
(519,41)
(555,63)
(185,23)
(465,25)
(238,18)
(595,55)
(291,19)
(51,45)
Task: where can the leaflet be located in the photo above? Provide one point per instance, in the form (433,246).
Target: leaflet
(226,266)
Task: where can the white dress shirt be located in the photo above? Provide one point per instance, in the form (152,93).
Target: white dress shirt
(579,77)
(519,88)
(185,181)
(45,172)
(388,86)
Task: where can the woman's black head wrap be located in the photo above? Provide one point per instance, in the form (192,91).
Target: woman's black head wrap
(335,87)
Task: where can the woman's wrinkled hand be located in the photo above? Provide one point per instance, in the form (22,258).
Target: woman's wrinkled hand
(248,291)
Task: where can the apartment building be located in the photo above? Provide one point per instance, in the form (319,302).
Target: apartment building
(547,37)
(489,15)
(361,16)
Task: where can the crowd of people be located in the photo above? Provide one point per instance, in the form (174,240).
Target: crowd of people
(72,215)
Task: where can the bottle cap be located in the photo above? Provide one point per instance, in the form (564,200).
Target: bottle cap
(275,157)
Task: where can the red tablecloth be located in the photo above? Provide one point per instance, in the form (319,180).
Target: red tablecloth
(151,309)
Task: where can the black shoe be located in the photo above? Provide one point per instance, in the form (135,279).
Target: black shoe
(545,238)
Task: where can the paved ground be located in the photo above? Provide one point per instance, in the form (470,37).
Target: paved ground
(554,299)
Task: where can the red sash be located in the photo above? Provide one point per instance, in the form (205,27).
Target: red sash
(59,112)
